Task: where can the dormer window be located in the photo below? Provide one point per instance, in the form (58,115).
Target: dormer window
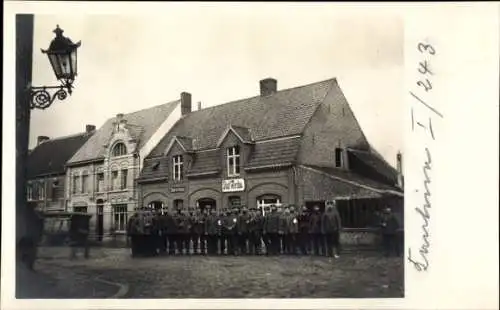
(233,161)
(338,157)
(120,149)
(177,167)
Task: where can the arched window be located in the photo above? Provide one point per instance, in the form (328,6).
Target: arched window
(119,149)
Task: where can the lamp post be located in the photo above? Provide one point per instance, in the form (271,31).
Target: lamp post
(63,59)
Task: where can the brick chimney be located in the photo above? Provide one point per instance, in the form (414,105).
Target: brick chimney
(185,103)
(399,159)
(41,139)
(89,128)
(268,86)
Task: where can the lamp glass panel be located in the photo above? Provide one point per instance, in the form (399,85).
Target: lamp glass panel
(54,62)
(73,62)
(65,64)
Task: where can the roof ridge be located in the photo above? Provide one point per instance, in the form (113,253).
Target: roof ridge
(145,109)
(257,96)
(74,135)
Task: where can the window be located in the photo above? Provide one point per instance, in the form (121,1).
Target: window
(75,184)
(100,182)
(114,180)
(234,201)
(41,191)
(120,217)
(85,178)
(124,178)
(120,149)
(29,192)
(178,204)
(338,157)
(268,201)
(177,166)
(233,161)
(55,190)
(80,209)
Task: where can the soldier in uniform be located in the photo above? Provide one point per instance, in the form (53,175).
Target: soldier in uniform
(132,233)
(230,227)
(222,231)
(198,229)
(79,231)
(158,230)
(272,230)
(265,236)
(293,231)
(283,229)
(242,228)
(185,232)
(211,231)
(170,231)
(390,226)
(330,228)
(303,236)
(179,226)
(255,232)
(315,231)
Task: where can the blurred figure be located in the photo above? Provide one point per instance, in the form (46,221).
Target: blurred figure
(230,226)
(315,231)
(293,232)
(265,235)
(271,228)
(212,231)
(330,228)
(304,241)
(132,231)
(283,230)
(390,226)
(221,218)
(242,229)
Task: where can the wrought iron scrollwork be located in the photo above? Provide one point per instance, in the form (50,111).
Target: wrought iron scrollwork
(43,97)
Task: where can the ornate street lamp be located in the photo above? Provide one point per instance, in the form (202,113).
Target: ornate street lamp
(63,58)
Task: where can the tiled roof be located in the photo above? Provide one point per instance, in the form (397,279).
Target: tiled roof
(154,168)
(356,178)
(284,113)
(275,152)
(376,163)
(205,162)
(51,156)
(141,124)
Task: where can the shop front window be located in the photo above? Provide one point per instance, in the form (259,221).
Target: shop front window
(268,201)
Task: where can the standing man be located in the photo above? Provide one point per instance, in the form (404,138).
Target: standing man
(265,235)
(330,228)
(304,241)
(390,227)
(230,226)
(197,232)
(272,230)
(242,228)
(171,231)
(255,232)
(293,231)
(283,230)
(132,232)
(315,231)
(179,224)
(221,218)
(211,230)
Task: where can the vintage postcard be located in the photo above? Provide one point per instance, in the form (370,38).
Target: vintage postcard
(250,155)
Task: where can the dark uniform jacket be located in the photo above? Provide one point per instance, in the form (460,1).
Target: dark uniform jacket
(390,224)
(243,223)
(211,227)
(272,223)
(230,223)
(303,219)
(283,223)
(199,224)
(183,224)
(330,222)
(256,224)
(315,223)
(293,224)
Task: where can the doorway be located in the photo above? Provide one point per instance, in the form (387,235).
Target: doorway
(99,220)
(206,203)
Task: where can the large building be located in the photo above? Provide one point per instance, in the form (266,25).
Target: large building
(101,175)
(300,146)
(46,169)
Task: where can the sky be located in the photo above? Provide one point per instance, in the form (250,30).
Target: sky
(218,54)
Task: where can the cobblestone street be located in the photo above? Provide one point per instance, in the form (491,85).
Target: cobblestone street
(112,273)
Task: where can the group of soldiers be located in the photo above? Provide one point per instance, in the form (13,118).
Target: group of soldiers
(271,230)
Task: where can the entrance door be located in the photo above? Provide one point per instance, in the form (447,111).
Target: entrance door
(100,221)
(206,203)
(310,205)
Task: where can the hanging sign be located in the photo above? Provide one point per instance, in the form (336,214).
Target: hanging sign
(233,185)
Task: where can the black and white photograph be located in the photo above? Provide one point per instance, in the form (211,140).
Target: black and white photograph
(223,151)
